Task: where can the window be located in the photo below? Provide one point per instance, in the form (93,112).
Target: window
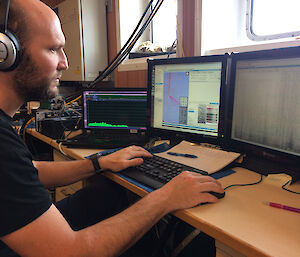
(272,19)
(248,25)
(164,24)
(161,32)
(167,25)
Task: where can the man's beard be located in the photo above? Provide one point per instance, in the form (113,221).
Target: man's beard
(29,84)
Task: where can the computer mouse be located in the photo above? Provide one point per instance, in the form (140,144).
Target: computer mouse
(218,195)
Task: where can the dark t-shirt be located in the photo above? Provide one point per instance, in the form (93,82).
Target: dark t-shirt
(23,198)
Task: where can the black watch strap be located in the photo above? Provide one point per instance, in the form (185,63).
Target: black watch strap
(94,158)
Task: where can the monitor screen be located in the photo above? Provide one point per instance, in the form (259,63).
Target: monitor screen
(115,109)
(186,96)
(265,100)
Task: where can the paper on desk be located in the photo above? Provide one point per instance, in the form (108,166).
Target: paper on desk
(209,159)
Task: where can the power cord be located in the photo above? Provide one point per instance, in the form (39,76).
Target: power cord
(23,128)
(171,226)
(260,180)
(185,242)
(286,189)
(61,150)
(250,184)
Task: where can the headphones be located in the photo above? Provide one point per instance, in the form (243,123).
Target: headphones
(10,47)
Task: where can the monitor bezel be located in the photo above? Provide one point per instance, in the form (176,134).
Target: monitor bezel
(177,135)
(109,129)
(287,161)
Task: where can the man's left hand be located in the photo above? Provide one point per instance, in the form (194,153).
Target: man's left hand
(122,159)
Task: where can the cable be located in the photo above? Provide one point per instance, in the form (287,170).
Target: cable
(164,237)
(185,242)
(63,133)
(250,184)
(286,189)
(121,56)
(63,136)
(74,100)
(129,39)
(124,55)
(68,117)
(121,51)
(172,48)
(61,150)
(26,125)
(73,127)
(75,95)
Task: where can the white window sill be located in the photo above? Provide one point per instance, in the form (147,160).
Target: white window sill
(140,63)
(256,47)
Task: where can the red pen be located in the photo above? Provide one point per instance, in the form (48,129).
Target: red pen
(281,206)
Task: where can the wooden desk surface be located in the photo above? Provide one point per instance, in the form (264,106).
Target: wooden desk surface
(240,220)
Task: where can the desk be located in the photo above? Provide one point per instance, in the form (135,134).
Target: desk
(240,222)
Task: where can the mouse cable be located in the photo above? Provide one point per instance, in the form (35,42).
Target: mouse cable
(286,189)
(250,184)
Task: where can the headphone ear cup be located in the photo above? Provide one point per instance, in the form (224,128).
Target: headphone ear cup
(10,51)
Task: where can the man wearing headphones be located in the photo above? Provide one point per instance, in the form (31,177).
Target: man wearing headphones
(31,62)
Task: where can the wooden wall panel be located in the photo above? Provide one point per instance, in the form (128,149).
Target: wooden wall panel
(111,32)
(188,27)
(136,79)
(131,79)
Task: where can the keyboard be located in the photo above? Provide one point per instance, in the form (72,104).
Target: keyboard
(157,171)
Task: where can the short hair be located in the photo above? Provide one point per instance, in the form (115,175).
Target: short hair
(18,22)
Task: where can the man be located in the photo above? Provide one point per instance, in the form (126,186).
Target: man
(30,224)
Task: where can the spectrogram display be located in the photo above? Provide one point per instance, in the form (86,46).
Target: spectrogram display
(266,105)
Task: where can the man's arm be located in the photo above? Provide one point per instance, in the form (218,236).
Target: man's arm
(68,172)
(50,235)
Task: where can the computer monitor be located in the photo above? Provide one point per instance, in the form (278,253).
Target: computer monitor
(120,110)
(264,111)
(186,98)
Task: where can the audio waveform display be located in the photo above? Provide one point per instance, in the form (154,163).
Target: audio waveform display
(103,124)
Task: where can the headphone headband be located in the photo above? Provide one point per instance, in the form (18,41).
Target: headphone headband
(4,9)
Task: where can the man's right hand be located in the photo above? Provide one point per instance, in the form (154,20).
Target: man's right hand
(189,189)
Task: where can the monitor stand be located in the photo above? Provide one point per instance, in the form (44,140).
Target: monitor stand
(175,141)
(265,167)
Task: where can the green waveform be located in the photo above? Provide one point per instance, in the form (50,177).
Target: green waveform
(103,124)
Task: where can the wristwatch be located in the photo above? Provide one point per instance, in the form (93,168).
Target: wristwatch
(95,160)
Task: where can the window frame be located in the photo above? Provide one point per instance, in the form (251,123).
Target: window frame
(251,34)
